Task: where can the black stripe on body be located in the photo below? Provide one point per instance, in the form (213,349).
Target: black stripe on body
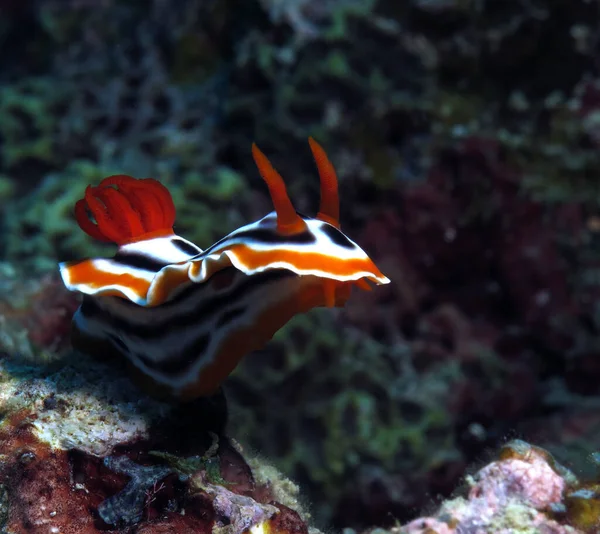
(167,316)
(337,237)
(272,237)
(146,262)
(186,247)
(263,235)
(118,343)
(230,315)
(139,261)
(176,365)
(217,312)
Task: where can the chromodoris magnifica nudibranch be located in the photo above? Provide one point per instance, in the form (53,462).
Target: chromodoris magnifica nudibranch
(183,317)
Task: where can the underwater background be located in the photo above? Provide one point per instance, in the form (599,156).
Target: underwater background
(465,134)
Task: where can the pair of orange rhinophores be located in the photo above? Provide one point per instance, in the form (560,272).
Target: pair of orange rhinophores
(183,317)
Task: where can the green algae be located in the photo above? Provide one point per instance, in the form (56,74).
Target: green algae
(28,120)
(358,412)
(187,467)
(43,230)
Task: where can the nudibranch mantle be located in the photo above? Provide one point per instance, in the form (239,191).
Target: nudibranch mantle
(184,317)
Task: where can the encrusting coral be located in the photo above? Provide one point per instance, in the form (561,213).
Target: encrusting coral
(525,490)
(76,456)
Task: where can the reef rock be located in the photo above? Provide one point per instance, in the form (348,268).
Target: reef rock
(525,490)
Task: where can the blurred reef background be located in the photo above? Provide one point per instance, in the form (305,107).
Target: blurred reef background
(466,138)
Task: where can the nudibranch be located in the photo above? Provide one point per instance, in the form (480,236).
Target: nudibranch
(183,317)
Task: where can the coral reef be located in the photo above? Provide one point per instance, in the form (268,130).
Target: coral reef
(52,489)
(465,135)
(525,490)
(76,455)
(82,450)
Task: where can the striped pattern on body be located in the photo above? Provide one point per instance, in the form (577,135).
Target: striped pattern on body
(191,343)
(149,272)
(183,317)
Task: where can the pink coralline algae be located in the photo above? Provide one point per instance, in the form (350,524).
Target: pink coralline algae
(520,492)
(531,481)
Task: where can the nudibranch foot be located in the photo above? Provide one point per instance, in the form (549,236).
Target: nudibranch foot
(184,317)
